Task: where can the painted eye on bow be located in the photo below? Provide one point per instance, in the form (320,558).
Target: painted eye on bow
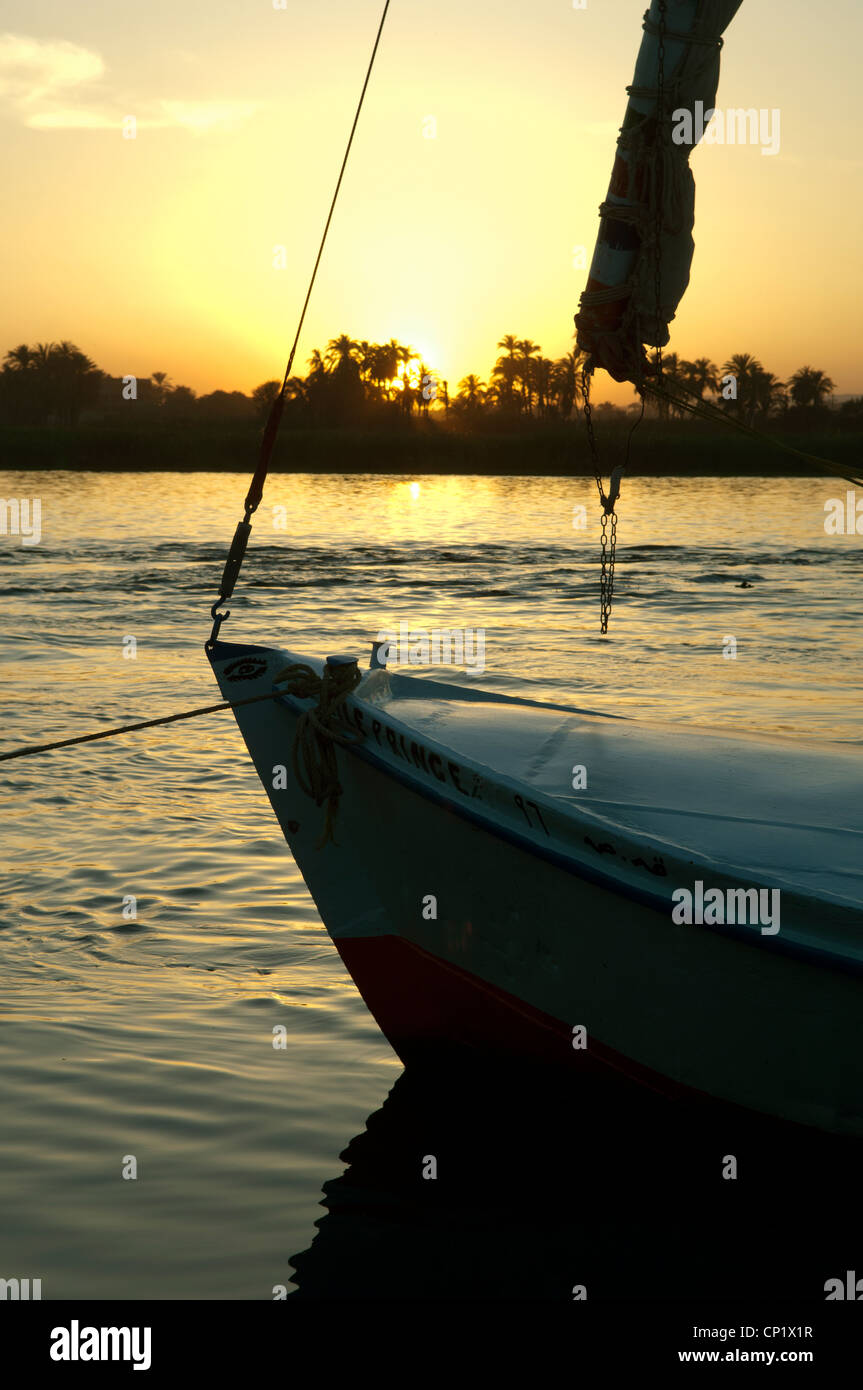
(246,669)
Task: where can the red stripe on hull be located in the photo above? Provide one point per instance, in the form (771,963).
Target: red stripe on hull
(426,1006)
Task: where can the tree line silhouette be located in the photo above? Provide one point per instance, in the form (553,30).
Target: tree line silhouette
(353,382)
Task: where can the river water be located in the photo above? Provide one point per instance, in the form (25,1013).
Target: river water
(149,1039)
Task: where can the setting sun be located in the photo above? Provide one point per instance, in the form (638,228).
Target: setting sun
(185,254)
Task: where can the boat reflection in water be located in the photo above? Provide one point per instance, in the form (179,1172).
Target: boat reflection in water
(545,1184)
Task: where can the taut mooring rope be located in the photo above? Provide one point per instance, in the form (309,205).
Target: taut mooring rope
(314,754)
(132,728)
(317,733)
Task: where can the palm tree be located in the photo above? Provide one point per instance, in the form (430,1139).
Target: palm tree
(341,351)
(566,380)
(393,354)
(408,360)
(504,376)
(20,385)
(365,357)
(415,381)
(506,368)
(44,392)
(71,381)
(744,367)
(700,376)
(387,360)
(543,368)
(41,355)
(810,387)
(495,394)
(161,383)
(378,369)
(673,375)
(19,359)
(526,350)
(470,392)
(768,393)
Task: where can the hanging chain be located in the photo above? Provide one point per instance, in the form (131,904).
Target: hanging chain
(608,542)
(606,583)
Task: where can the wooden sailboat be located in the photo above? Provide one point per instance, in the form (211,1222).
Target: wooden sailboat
(686,913)
(478,900)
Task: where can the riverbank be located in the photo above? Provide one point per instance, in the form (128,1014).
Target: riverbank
(679,448)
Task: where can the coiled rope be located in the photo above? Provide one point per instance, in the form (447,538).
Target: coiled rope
(314,751)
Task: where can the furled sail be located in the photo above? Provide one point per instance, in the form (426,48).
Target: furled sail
(632,293)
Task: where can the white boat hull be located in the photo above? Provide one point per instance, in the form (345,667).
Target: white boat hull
(476,911)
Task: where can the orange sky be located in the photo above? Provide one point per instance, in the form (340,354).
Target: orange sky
(157,253)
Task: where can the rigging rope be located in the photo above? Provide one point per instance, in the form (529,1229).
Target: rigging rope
(707,410)
(237,551)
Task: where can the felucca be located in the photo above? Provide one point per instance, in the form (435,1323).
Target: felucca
(486,894)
